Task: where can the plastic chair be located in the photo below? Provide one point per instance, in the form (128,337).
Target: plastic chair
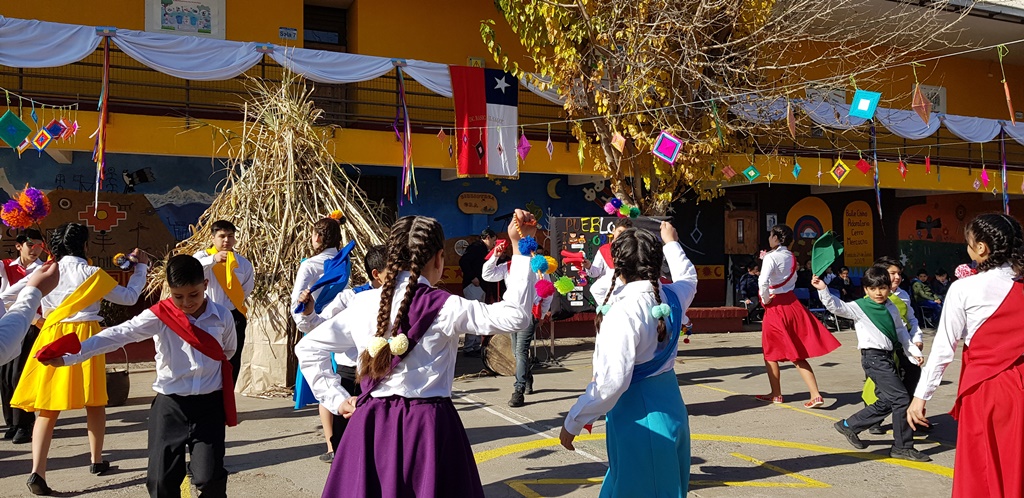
(804,296)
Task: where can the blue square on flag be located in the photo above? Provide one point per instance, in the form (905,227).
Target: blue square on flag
(487,110)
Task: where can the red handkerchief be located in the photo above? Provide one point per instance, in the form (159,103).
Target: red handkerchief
(68,344)
(589,428)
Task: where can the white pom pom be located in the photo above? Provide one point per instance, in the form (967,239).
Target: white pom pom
(376,344)
(399,344)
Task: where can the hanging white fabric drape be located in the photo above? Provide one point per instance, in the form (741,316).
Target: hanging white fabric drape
(830,114)
(971,129)
(331,67)
(31,44)
(758,110)
(1015,132)
(432,75)
(188,57)
(907,124)
(550,95)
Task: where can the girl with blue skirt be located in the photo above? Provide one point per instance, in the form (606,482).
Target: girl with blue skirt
(638,322)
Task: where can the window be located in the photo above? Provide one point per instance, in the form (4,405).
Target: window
(324,28)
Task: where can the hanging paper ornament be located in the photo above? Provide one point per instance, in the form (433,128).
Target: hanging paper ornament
(618,141)
(839,171)
(68,132)
(796,170)
(23,146)
(921,105)
(667,147)
(928,165)
(728,172)
(480,150)
(984,177)
(550,148)
(790,119)
(864,104)
(1009,103)
(564,285)
(42,139)
(55,129)
(13,130)
(35,117)
(902,168)
(977,184)
(451,151)
(751,173)
(441,135)
(863,166)
(524,147)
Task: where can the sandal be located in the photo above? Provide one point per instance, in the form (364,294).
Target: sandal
(768,398)
(814,402)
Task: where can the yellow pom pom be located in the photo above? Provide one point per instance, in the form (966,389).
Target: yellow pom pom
(399,344)
(552,264)
(337,214)
(376,344)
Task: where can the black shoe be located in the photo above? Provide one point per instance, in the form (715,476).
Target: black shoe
(327,457)
(99,468)
(529,386)
(22,436)
(909,454)
(517,399)
(37,485)
(850,434)
(10,432)
(877,430)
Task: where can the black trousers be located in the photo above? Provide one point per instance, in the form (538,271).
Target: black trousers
(10,374)
(893,397)
(339,423)
(236,360)
(195,423)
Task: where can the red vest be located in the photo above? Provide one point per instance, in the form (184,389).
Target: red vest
(606,253)
(14,272)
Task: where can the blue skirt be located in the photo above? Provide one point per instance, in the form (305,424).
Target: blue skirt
(648,441)
(303,395)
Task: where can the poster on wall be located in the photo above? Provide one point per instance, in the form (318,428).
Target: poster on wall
(204,18)
(858,235)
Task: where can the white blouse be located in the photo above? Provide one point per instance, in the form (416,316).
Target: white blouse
(428,368)
(968,303)
(73,272)
(214,291)
(599,267)
(309,272)
(775,269)
(629,337)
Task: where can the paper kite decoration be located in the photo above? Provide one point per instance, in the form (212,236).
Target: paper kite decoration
(441,135)
(751,173)
(13,130)
(480,150)
(863,166)
(55,128)
(23,146)
(618,141)
(921,105)
(68,131)
(728,173)
(839,171)
(928,165)
(524,147)
(35,117)
(977,184)
(796,170)
(902,168)
(667,147)
(42,139)
(550,148)
(790,119)
(984,177)
(864,104)
(451,151)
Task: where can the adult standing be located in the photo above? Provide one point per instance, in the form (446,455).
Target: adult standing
(472,264)
(788,332)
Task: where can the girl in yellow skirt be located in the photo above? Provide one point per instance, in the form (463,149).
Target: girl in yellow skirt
(72,308)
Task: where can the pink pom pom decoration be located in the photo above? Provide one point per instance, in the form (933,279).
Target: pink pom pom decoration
(610,208)
(964,271)
(545,288)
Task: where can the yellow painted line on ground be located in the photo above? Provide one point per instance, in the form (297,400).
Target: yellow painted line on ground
(931,468)
(522,486)
(806,482)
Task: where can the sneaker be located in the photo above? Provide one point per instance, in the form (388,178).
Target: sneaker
(877,430)
(22,436)
(37,485)
(529,386)
(850,434)
(99,468)
(10,432)
(909,454)
(768,398)
(327,457)
(814,402)
(517,399)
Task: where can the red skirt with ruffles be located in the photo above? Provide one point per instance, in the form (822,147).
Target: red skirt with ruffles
(790,333)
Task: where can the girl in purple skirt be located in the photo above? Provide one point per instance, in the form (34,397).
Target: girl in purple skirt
(404,437)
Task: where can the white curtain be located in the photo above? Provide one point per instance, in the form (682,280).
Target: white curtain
(758,110)
(1015,132)
(432,75)
(331,67)
(830,114)
(550,95)
(907,124)
(972,129)
(26,44)
(189,57)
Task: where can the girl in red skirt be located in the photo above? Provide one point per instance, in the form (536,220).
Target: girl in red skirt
(789,332)
(985,312)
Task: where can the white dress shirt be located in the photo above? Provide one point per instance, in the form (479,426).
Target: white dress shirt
(912,324)
(868,336)
(599,267)
(672,252)
(968,303)
(73,272)
(428,368)
(5,283)
(15,322)
(309,272)
(214,291)
(180,369)
(629,337)
(776,268)
(494,272)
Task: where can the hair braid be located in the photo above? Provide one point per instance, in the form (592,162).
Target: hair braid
(637,255)
(599,318)
(1002,234)
(657,297)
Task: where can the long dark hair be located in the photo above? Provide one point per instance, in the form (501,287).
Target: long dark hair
(413,242)
(1002,235)
(329,231)
(69,239)
(637,255)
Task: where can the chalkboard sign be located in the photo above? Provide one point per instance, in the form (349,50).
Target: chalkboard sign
(587,234)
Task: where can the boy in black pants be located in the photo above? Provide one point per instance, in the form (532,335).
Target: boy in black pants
(880,331)
(194,338)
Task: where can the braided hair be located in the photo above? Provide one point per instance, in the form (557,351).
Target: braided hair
(1002,234)
(637,255)
(69,239)
(329,230)
(413,243)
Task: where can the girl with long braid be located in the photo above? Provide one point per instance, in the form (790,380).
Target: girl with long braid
(72,308)
(648,434)
(984,311)
(404,437)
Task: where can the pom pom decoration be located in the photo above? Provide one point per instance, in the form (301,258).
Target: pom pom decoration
(122,261)
(610,208)
(564,285)
(375,346)
(688,331)
(527,245)
(661,311)
(538,264)
(545,288)
(399,344)
(634,212)
(14,216)
(615,201)
(552,264)
(964,271)
(603,309)
(623,211)
(30,206)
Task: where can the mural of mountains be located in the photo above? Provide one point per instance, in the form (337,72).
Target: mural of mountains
(178,197)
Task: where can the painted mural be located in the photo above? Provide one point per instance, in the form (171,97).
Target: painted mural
(858,235)
(809,218)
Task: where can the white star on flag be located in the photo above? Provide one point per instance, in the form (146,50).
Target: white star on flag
(502,85)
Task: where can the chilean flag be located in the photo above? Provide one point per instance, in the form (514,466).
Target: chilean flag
(486,116)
